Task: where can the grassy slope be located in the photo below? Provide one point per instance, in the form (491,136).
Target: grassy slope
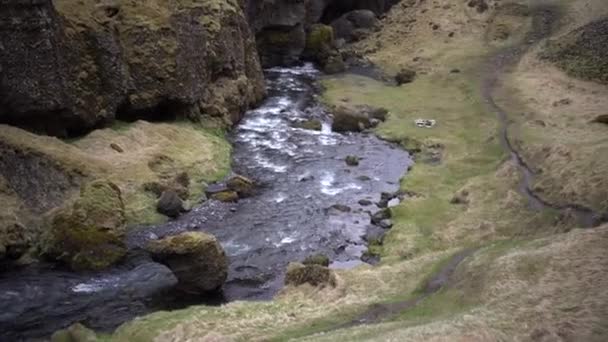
(170,148)
(526,282)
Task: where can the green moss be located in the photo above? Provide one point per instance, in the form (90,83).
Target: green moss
(320,39)
(88,233)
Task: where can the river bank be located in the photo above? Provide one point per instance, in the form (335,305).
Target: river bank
(531,266)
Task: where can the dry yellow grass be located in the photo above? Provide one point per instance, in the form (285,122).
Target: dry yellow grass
(151,152)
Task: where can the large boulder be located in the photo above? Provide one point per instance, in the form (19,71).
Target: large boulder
(88,233)
(170,204)
(312,274)
(357,118)
(197,260)
(67,67)
(354,25)
(242,185)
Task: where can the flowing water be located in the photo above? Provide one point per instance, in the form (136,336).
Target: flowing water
(301,175)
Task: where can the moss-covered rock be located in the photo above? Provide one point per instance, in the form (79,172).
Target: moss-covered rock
(88,233)
(125,59)
(312,274)
(75,333)
(197,260)
(313,125)
(319,43)
(242,185)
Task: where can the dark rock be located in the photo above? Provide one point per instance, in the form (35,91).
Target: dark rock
(116,148)
(315,275)
(341,207)
(357,118)
(170,204)
(461,197)
(455,71)
(197,260)
(603,119)
(313,125)
(317,259)
(405,76)
(354,25)
(365,202)
(385,224)
(381,215)
(352,160)
(480,5)
(65,81)
(364,178)
(243,186)
(334,65)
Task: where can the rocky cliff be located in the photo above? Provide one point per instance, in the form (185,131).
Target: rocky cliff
(283,26)
(67,67)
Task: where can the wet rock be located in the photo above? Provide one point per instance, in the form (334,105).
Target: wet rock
(242,185)
(334,65)
(221,192)
(15,238)
(385,224)
(369,257)
(405,76)
(315,275)
(354,25)
(170,204)
(381,215)
(197,260)
(75,333)
(357,118)
(349,120)
(317,259)
(313,125)
(364,178)
(88,233)
(365,202)
(341,207)
(603,119)
(352,160)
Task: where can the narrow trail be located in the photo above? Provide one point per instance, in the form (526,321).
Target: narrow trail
(543,21)
(381,312)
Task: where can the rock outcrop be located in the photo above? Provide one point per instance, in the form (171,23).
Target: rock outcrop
(67,67)
(197,260)
(283,27)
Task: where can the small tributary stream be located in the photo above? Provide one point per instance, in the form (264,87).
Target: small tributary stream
(301,175)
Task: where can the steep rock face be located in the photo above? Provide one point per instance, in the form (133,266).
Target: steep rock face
(282,26)
(67,67)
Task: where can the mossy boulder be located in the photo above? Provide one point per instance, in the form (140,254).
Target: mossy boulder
(170,204)
(352,160)
(313,125)
(196,258)
(319,42)
(357,118)
(75,333)
(15,238)
(88,233)
(242,185)
(312,274)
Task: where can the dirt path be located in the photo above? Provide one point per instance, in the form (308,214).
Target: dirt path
(544,19)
